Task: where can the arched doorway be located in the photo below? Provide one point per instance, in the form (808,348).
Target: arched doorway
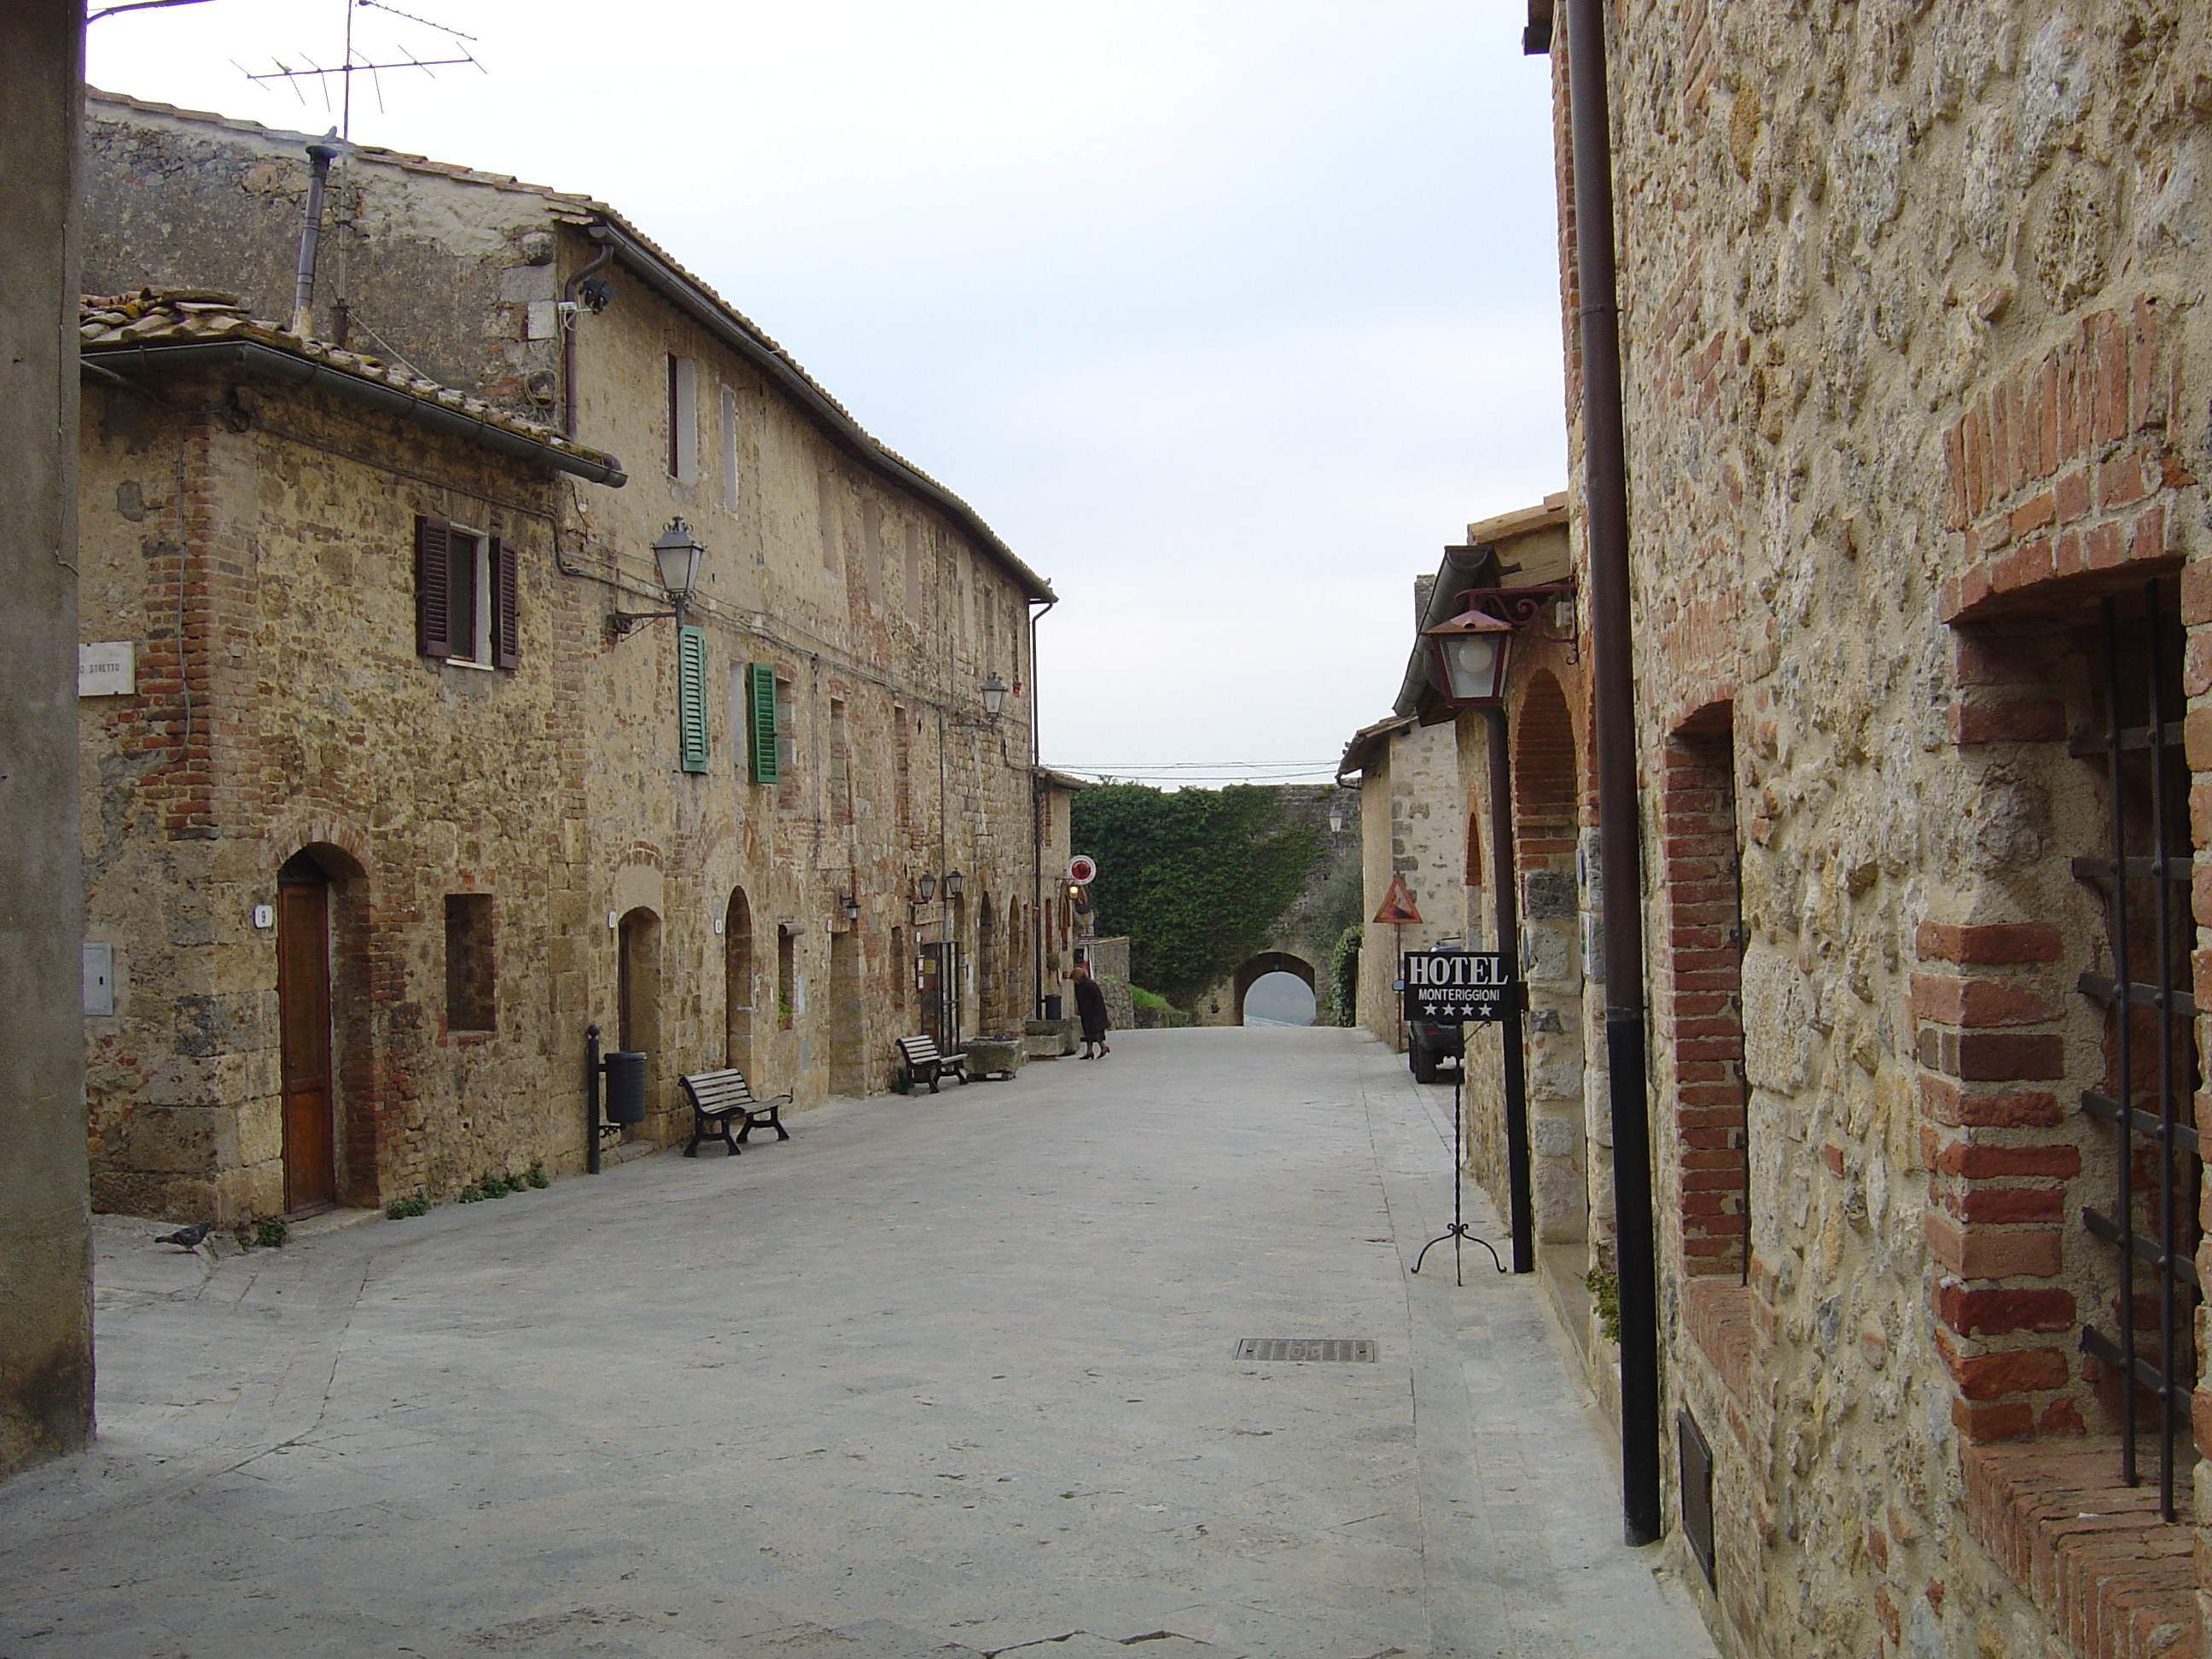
(1271,961)
(1545,770)
(637,992)
(990,962)
(738,994)
(319,1021)
(848,1016)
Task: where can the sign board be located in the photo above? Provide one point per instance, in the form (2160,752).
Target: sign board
(1449,985)
(1398,903)
(108,669)
(1082,869)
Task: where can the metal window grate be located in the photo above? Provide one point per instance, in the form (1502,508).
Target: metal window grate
(1696,1464)
(2151,1043)
(1306,1347)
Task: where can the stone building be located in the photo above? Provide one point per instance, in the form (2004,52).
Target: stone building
(425,688)
(1917,373)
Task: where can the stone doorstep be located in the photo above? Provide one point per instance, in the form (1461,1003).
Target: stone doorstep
(2090,1552)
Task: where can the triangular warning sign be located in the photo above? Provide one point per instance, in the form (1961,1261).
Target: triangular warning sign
(1397,904)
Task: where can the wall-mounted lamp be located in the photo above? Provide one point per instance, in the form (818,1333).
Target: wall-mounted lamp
(1467,658)
(926,887)
(1335,817)
(955,884)
(850,906)
(677,553)
(995,691)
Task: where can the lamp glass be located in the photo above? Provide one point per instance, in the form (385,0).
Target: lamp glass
(954,882)
(676,551)
(995,696)
(1473,665)
(926,887)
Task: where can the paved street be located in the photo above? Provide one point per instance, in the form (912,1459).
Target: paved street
(944,1376)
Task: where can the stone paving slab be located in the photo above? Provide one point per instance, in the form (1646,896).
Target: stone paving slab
(944,1376)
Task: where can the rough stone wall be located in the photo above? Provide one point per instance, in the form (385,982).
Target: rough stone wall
(1410,825)
(46,1254)
(279,532)
(1915,367)
(878,614)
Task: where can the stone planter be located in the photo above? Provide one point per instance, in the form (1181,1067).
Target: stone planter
(993,1056)
(1048,1039)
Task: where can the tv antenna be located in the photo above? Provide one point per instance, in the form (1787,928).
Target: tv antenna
(355,63)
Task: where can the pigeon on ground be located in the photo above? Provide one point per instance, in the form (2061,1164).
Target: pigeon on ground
(189,1236)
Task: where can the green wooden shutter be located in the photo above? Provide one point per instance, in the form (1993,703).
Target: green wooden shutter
(691,697)
(760,695)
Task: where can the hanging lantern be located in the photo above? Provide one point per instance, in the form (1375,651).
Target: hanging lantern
(1467,660)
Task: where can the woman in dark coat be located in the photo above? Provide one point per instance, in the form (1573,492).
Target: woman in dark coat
(1091,1009)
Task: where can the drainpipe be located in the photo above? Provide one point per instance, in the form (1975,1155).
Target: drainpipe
(1604,530)
(566,323)
(319,157)
(1037,797)
(1520,1196)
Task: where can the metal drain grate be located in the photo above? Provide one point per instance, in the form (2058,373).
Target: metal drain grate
(1305,1347)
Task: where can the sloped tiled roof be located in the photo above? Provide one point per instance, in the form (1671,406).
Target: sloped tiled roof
(114,323)
(588,210)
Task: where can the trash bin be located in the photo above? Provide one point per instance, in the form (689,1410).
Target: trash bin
(625,1092)
(1052,1005)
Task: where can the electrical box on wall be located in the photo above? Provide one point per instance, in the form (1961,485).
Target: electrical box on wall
(99,980)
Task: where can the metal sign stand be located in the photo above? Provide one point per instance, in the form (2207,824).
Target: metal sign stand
(1458,1230)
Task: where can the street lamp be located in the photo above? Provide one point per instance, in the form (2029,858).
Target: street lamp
(954,883)
(1467,658)
(850,905)
(676,553)
(995,696)
(926,886)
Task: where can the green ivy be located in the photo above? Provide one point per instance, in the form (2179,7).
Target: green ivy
(1604,1286)
(1344,976)
(1196,878)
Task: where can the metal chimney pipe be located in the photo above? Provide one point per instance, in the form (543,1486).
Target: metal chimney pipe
(319,156)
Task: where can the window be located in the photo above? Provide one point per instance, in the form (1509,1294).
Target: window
(466,608)
(899,968)
(826,510)
(903,771)
(787,733)
(841,766)
(683,420)
(786,978)
(871,537)
(691,697)
(763,708)
(730,480)
(470,1003)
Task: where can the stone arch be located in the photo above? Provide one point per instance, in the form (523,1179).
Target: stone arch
(1268,962)
(740,998)
(1547,766)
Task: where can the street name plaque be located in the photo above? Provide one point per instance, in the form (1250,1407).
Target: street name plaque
(1456,985)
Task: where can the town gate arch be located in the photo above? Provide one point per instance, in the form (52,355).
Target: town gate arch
(1267,962)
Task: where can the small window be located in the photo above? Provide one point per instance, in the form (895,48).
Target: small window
(841,766)
(470,1005)
(786,977)
(683,420)
(825,505)
(465,602)
(730,480)
(787,733)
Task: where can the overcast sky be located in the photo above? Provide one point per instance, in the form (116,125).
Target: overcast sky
(1226,314)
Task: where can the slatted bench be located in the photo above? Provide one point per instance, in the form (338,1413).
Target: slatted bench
(721,1098)
(925,1064)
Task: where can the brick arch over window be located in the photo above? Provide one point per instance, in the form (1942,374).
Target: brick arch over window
(1544,775)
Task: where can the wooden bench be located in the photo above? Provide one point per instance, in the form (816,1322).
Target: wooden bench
(718,1098)
(925,1064)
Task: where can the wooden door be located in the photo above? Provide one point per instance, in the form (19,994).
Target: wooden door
(303,1014)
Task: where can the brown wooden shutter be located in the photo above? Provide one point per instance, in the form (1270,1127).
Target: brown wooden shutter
(506,625)
(434,569)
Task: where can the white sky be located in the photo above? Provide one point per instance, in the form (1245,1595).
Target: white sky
(1226,314)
